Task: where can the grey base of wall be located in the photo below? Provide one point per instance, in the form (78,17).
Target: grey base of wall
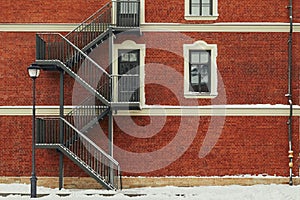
(135,182)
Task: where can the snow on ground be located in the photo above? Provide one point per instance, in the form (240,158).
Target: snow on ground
(233,192)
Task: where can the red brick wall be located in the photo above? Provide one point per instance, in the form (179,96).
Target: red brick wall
(15,151)
(253,66)
(54,11)
(229,11)
(247,145)
(68,11)
(257,61)
(17,53)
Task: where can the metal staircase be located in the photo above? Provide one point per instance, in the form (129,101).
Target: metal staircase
(80,149)
(70,54)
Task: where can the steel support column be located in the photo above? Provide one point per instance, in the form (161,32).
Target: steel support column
(110,114)
(61,128)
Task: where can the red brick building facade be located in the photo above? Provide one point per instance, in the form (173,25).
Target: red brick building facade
(238,126)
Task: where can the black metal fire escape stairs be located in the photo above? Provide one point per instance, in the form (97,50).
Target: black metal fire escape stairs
(70,54)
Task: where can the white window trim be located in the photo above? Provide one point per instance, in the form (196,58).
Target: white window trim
(129,44)
(200,45)
(188,16)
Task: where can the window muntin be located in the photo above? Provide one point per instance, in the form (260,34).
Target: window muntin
(201,7)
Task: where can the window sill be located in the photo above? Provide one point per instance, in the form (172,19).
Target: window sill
(200,95)
(193,17)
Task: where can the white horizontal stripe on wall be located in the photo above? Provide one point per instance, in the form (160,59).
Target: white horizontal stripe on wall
(212,110)
(153,27)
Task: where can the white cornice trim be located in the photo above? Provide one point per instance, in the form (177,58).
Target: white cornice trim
(214,110)
(164,27)
(35,27)
(27,110)
(220,27)
(157,110)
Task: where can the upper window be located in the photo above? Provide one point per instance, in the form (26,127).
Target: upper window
(201,9)
(200,70)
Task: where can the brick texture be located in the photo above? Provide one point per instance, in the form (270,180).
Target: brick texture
(247,145)
(68,11)
(17,54)
(238,11)
(55,11)
(252,66)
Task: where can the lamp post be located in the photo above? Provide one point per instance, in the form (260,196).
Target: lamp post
(34,72)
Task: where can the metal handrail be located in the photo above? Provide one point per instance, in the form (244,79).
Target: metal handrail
(92,27)
(90,141)
(83,150)
(61,37)
(89,18)
(86,113)
(54,46)
(127,87)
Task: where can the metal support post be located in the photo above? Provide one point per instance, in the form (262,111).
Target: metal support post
(289,95)
(110,115)
(61,129)
(33,179)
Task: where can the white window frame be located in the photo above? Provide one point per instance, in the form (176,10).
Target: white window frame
(200,45)
(130,45)
(188,16)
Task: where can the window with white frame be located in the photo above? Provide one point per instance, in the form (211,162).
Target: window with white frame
(201,9)
(200,70)
(128,68)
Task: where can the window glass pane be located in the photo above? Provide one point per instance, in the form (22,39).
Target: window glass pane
(124,57)
(128,7)
(195,10)
(132,7)
(195,57)
(204,57)
(194,75)
(204,73)
(206,11)
(133,57)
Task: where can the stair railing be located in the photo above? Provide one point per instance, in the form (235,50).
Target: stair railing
(92,27)
(82,150)
(54,46)
(85,115)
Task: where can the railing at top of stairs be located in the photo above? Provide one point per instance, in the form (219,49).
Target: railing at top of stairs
(126,15)
(89,30)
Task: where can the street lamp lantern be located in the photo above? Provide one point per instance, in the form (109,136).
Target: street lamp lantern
(34,72)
